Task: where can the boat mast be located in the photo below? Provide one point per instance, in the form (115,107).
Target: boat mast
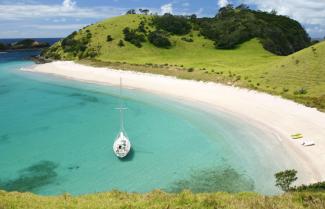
(121,109)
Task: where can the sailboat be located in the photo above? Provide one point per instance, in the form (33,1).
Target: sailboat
(122,145)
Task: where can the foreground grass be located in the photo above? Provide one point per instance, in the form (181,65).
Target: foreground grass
(158,199)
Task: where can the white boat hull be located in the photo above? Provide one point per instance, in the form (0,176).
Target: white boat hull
(122,145)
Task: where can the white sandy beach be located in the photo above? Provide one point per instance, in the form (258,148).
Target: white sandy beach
(282,116)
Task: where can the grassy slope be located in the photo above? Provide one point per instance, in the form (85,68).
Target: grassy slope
(162,200)
(304,69)
(199,54)
(249,65)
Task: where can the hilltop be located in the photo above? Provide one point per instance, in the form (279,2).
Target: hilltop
(238,47)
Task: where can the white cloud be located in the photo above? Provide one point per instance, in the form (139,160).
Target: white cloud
(68,8)
(308,12)
(57,26)
(167,8)
(68,4)
(223,3)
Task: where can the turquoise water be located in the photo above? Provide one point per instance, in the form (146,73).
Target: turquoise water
(56,136)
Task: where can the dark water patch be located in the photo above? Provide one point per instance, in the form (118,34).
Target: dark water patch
(82,96)
(217,179)
(4,90)
(32,178)
(29,131)
(73,167)
(48,91)
(4,139)
(61,108)
(42,128)
(33,130)
(85,97)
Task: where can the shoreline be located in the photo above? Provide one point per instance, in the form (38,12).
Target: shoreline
(279,116)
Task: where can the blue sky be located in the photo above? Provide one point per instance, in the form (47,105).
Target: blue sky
(58,18)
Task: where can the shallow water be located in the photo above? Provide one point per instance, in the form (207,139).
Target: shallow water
(56,136)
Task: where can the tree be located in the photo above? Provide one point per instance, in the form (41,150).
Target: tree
(144,11)
(226,11)
(284,179)
(274,12)
(121,43)
(3,46)
(142,27)
(131,12)
(178,25)
(243,7)
(159,39)
(133,37)
(109,38)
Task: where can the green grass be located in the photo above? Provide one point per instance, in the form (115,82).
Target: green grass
(157,200)
(199,54)
(249,65)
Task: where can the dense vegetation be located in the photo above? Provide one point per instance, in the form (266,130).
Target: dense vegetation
(134,37)
(317,187)
(178,25)
(24,44)
(160,39)
(3,46)
(232,26)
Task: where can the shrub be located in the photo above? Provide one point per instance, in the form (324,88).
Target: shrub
(187,39)
(284,179)
(190,70)
(121,43)
(91,53)
(301,91)
(285,89)
(71,45)
(141,28)
(109,38)
(133,37)
(131,12)
(178,25)
(3,46)
(316,187)
(159,39)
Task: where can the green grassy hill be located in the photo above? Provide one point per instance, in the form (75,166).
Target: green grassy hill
(200,53)
(300,76)
(157,199)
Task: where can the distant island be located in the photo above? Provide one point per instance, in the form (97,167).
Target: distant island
(23,45)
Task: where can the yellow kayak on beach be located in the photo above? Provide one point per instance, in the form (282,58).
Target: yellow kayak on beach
(297,136)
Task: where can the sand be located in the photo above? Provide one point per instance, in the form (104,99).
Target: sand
(283,117)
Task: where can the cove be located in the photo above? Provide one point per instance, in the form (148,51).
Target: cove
(56,136)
